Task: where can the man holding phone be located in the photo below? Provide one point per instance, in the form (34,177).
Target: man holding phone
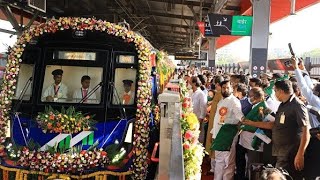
(311,93)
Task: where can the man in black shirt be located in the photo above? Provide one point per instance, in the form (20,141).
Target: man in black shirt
(290,130)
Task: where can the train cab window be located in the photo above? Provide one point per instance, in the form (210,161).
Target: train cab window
(124,91)
(72,84)
(24,82)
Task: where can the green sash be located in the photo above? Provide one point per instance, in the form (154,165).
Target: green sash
(268,90)
(254,115)
(225,137)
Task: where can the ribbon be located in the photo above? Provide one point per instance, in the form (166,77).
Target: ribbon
(222,112)
(126,98)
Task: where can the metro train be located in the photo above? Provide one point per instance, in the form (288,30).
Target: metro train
(122,91)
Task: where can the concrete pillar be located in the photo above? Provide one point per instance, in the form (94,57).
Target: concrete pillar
(212,53)
(260,37)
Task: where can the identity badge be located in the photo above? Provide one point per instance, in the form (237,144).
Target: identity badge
(282,118)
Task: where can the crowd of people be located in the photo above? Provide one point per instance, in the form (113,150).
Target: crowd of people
(247,122)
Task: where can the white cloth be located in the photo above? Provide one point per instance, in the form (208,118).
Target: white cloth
(61,94)
(225,163)
(273,103)
(199,103)
(233,115)
(78,95)
(307,92)
(245,141)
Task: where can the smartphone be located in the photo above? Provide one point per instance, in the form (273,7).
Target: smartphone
(288,63)
(290,48)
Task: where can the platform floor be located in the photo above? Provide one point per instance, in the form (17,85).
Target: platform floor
(205,168)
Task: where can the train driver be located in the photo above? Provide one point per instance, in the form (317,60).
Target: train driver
(128,94)
(82,92)
(56,92)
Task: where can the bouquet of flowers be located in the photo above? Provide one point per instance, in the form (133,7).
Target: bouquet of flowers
(66,121)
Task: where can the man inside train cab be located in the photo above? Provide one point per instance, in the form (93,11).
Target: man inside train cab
(128,94)
(56,92)
(82,94)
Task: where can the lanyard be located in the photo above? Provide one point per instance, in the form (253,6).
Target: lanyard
(56,91)
(82,92)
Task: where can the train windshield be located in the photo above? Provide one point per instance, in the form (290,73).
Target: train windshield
(72,84)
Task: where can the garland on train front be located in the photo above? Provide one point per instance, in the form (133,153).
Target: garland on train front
(144,85)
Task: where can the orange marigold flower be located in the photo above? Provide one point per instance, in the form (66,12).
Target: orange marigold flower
(51,117)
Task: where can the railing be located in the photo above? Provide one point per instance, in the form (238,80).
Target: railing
(171,153)
(312,66)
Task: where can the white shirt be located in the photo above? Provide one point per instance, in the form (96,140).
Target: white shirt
(273,103)
(199,103)
(61,94)
(233,114)
(78,95)
(307,92)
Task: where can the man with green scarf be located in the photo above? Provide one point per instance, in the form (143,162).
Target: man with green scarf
(290,130)
(224,130)
(251,143)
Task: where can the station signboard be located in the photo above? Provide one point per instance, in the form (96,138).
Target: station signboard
(218,24)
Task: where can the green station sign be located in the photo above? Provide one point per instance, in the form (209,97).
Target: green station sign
(241,26)
(220,24)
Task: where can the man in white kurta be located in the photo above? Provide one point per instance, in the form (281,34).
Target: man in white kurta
(82,92)
(199,105)
(56,92)
(228,112)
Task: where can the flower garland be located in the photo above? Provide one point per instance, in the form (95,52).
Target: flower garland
(144,86)
(62,163)
(165,67)
(193,151)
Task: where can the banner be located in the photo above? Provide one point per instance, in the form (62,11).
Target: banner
(201,27)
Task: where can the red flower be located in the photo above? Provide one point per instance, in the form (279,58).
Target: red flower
(185,105)
(186,146)
(103,153)
(188,135)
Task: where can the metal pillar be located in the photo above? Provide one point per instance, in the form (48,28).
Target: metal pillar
(212,53)
(260,37)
